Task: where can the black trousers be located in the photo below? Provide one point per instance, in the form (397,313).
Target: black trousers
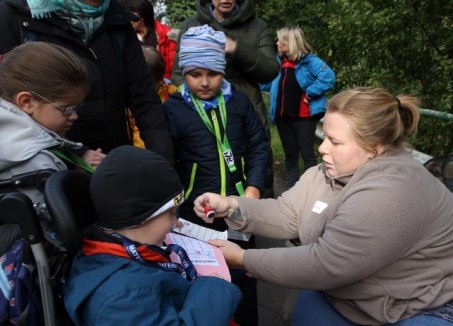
(297,137)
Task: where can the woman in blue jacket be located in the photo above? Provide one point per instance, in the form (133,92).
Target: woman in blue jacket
(297,98)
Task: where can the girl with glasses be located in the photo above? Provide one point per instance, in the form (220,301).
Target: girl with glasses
(40,87)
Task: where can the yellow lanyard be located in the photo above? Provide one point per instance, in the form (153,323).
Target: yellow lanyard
(222,145)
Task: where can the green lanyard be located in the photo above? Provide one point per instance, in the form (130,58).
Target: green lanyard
(223,145)
(71,157)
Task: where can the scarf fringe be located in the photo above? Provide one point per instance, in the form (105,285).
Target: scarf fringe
(44,8)
(41,8)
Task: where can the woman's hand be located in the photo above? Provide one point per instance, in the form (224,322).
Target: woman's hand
(234,255)
(230,45)
(221,205)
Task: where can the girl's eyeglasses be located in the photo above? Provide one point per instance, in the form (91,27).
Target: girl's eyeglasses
(65,110)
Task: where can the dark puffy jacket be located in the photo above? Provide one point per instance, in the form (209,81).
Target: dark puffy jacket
(120,77)
(254,60)
(197,156)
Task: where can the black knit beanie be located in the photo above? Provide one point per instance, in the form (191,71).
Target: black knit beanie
(133,185)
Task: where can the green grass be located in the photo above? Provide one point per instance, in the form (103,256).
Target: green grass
(279,154)
(277,151)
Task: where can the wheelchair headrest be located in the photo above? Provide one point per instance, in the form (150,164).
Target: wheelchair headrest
(67,198)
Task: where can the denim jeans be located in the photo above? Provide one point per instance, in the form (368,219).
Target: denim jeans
(311,308)
(297,137)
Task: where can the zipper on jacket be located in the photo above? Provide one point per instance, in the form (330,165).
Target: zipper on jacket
(191,181)
(243,168)
(285,74)
(92,52)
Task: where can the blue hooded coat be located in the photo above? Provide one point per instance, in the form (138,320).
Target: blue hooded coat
(315,78)
(105,289)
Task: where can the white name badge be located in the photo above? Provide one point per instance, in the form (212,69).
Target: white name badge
(318,207)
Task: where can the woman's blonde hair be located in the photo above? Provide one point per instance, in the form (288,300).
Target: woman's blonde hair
(295,38)
(378,119)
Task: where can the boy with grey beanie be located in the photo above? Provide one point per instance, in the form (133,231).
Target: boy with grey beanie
(220,143)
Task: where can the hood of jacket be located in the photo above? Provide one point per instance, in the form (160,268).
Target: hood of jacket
(24,136)
(87,277)
(245,13)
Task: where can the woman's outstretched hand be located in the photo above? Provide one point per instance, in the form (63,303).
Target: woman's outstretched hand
(222,206)
(234,255)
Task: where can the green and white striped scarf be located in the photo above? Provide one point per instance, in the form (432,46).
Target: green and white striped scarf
(83,18)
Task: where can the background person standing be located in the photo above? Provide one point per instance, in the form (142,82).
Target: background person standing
(250,53)
(153,33)
(297,99)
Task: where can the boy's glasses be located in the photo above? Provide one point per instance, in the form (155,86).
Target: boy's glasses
(65,110)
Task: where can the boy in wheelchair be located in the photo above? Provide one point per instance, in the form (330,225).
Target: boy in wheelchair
(124,274)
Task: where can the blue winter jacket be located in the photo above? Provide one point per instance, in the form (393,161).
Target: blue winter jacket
(108,290)
(197,156)
(315,78)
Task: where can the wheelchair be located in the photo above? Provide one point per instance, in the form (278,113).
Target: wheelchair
(47,252)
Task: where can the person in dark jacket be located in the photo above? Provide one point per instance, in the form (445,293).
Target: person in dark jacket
(98,31)
(153,33)
(250,53)
(124,274)
(220,143)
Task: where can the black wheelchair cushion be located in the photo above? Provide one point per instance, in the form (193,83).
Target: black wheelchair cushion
(68,201)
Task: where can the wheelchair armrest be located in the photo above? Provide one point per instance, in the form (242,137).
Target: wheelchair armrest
(35,178)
